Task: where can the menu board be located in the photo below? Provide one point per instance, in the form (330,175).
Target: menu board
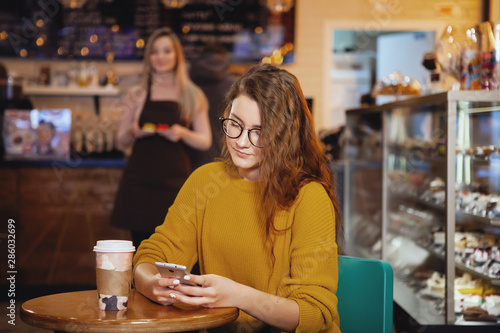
(46,29)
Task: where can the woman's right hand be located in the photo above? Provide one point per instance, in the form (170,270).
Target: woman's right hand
(162,289)
(152,285)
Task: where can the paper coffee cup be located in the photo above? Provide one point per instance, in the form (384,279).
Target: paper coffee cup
(113,273)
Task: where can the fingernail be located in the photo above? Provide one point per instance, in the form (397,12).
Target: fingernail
(176,282)
(187,277)
(172,295)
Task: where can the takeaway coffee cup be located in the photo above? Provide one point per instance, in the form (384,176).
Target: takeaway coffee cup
(113,273)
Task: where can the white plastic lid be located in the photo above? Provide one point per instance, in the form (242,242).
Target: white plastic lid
(114,246)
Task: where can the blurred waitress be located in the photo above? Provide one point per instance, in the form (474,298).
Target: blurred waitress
(162,115)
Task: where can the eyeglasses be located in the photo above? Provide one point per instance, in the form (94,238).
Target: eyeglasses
(233,129)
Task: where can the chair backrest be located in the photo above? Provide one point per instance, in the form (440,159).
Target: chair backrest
(364,295)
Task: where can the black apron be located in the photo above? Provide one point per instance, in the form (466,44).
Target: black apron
(154,173)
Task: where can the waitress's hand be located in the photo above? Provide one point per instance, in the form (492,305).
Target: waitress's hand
(174,133)
(139,132)
(214,291)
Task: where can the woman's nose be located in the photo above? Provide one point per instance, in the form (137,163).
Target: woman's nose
(243,140)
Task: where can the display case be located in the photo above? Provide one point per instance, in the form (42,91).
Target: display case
(439,224)
(362,204)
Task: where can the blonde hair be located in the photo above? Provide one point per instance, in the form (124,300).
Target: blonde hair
(191,97)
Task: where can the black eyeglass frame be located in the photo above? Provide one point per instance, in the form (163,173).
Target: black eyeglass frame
(222,119)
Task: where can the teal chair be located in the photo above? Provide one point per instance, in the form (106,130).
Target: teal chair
(365,295)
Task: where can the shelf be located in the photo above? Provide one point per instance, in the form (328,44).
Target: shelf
(420,309)
(423,310)
(461,321)
(71,91)
(426,155)
(91,91)
(494,281)
(459,215)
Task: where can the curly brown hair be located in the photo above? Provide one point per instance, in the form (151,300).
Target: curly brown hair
(293,154)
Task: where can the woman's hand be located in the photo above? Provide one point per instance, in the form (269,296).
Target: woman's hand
(152,285)
(162,290)
(217,291)
(214,291)
(175,133)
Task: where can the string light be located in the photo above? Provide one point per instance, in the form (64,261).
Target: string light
(174,3)
(73,3)
(279,5)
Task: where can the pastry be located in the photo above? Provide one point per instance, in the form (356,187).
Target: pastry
(435,286)
(437,184)
(161,127)
(468,292)
(149,127)
(476,313)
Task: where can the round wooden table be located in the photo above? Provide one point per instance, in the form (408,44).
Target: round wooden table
(79,312)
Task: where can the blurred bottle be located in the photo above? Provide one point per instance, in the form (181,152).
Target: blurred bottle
(77,135)
(487,46)
(44,76)
(471,61)
(110,77)
(93,75)
(98,138)
(496,71)
(83,75)
(449,49)
(73,74)
(108,134)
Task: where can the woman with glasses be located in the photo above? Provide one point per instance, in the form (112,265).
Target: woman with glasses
(163,115)
(263,222)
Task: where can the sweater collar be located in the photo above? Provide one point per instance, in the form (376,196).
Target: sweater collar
(241,184)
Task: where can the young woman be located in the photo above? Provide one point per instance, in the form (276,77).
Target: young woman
(263,223)
(157,117)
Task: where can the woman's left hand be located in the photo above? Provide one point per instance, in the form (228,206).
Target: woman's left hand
(214,291)
(174,133)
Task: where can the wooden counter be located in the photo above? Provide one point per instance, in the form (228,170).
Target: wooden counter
(60,210)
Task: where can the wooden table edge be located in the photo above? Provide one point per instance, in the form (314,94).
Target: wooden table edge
(110,326)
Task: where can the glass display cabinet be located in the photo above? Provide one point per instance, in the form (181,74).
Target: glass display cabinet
(362,204)
(439,224)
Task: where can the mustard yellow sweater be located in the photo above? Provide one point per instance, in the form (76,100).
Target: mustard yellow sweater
(215,219)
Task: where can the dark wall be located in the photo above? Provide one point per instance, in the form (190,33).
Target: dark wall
(45,29)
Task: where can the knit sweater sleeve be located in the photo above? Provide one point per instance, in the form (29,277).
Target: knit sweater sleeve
(314,271)
(174,241)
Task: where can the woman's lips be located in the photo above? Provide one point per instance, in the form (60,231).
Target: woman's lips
(240,153)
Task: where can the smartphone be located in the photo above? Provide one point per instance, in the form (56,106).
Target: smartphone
(174,271)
